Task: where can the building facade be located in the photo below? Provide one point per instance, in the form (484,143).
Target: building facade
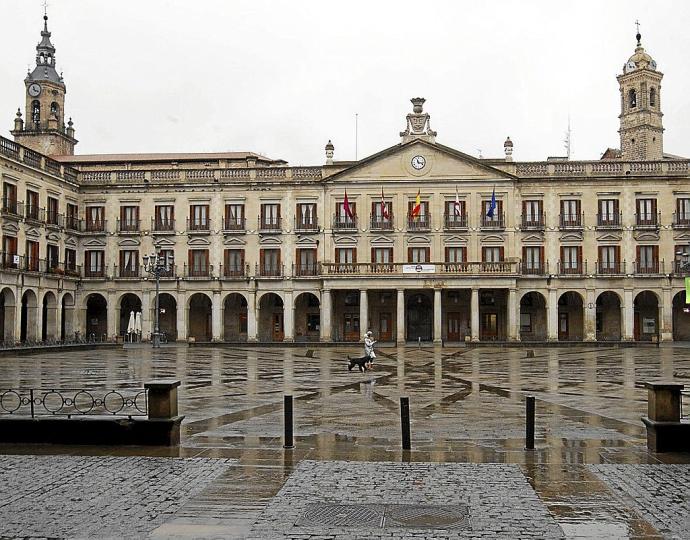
(419,242)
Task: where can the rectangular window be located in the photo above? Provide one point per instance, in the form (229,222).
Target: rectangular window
(168,255)
(609,259)
(198,263)
(381,255)
(306,262)
(646,212)
(533,259)
(234,262)
(95,218)
(164,219)
(648,259)
(270,216)
(199,217)
(570,213)
(53,257)
(10,259)
(234,217)
(498,211)
(52,213)
(683,211)
(421,219)
(532,213)
(129,218)
(72,216)
(32,211)
(381,215)
(306,216)
(94,263)
(455,213)
(270,262)
(129,263)
(346,255)
(571,259)
(491,254)
(9,198)
(32,255)
(342,220)
(608,212)
(70,260)
(456,254)
(418,254)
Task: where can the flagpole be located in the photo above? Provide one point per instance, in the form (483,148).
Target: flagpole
(356,133)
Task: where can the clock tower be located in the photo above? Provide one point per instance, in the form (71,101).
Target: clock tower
(44,128)
(641,127)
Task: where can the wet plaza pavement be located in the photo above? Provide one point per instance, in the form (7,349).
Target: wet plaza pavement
(590,475)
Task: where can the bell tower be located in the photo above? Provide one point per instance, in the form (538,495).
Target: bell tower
(641,126)
(44,128)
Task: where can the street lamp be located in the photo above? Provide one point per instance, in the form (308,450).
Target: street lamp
(156,265)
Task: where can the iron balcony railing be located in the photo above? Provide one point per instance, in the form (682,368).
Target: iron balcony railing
(454,221)
(649,267)
(54,219)
(306,269)
(344,223)
(128,225)
(73,223)
(534,268)
(306,224)
(10,261)
(34,213)
(572,268)
(497,222)
(647,220)
(571,221)
(270,224)
(127,272)
(234,271)
(198,224)
(198,271)
(235,224)
(95,226)
(380,223)
(10,207)
(681,220)
(94,271)
(613,220)
(414,270)
(419,222)
(604,268)
(533,222)
(162,225)
(269,270)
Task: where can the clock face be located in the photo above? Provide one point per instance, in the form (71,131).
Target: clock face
(630,66)
(652,64)
(34,89)
(418,162)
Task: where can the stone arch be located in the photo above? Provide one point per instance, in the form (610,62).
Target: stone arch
(307,317)
(681,317)
(271,317)
(167,320)
(200,308)
(235,317)
(533,321)
(609,317)
(8,310)
(67,316)
(96,317)
(570,316)
(128,303)
(49,316)
(29,316)
(646,316)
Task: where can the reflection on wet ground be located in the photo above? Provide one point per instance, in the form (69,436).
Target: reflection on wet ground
(467,405)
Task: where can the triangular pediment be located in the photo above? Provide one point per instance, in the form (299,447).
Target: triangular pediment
(94,243)
(533,238)
(455,240)
(308,241)
(346,240)
(10,228)
(32,232)
(234,241)
(198,241)
(129,242)
(609,237)
(52,237)
(382,240)
(71,241)
(163,242)
(437,163)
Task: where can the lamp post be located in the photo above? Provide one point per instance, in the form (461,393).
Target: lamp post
(156,265)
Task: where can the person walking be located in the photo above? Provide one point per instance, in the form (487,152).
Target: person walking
(369,349)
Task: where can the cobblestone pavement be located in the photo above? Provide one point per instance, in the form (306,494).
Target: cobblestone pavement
(96,497)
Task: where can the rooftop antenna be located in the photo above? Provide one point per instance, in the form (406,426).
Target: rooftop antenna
(568,141)
(356,133)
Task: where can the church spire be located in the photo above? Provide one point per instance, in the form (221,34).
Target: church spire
(45,57)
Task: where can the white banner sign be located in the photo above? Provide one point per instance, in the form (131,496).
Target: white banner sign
(419,268)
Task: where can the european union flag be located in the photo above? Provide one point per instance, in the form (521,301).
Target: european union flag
(492,205)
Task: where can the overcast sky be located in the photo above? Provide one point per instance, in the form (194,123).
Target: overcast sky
(283,77)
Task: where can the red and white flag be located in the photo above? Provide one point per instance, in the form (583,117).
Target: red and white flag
(457,207)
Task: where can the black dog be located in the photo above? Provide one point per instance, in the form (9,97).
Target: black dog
(360,362)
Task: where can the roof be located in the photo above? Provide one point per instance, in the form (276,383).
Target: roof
(162,157)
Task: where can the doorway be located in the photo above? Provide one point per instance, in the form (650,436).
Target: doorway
(385,326)
(489,328)
(453,318)
(278,333)
(563,332)
(351,327)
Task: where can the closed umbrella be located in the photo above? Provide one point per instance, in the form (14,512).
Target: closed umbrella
(130,325)
(137,324)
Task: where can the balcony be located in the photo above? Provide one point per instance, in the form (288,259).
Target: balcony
(380,223)
(12,209)
(94,272)
(610,221)
(647,268)
(454,222)
(306,270)
(533,222)
(647,220)
(307,225)
(270,225)
(534,268)
(198,271)
(170,273)
(419,223)
(572,268)
(73,224)
(495,223)
(571,222)
(128,226)
(54,220)
(162,226)
(11,261)
(681,220)
(34,214)
(95,227)
(610,268)
(344,224)
(479,269)
(199,225)
(234,225)
(269,270)
(127,272)
(234,271)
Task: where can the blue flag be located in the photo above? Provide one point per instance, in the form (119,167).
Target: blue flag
(492,205)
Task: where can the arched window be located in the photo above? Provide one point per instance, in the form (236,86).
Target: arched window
(632,98)
(652,97)
(36,112)
(55,109)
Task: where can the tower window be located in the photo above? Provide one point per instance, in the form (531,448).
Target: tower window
(55,109)
(632,98)
(652,97)
(36,112)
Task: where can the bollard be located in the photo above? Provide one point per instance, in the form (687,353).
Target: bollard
(287,408)
(419,342)
(405,422)
(529,423)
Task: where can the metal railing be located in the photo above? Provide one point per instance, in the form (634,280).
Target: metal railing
(233,271)
(269,270)
(344,223)
(572,268)
(649,267)
(198,271)
(534,268)
(272,224)
(453,221)
(647,220)
(419,223)
(34,213)
(95,226)
(162,225)
(571,221)
(11,207)
(610,268)
(94,272)
(476,268)
(533,222)
(127,272)
(73,223)
(681,220)
(234,224)
(198,224)
(54,219)
(379,223)
(498,221)
(128,225)
(307,225)
(306,270)
(610,220)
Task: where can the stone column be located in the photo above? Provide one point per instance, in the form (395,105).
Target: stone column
(182,330)
(38,321)
(363,313)
(288,318)
(216,331)
(437,316)
(57,328)
(474,314)
(400,323)
(628,315)
(666,316)
(552,316)
(590,316)
(251,317)
(18,315)
(513,308)
(326,310)
(113,313)
(148,314)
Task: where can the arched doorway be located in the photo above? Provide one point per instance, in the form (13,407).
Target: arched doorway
(200,311)
(307,317)
(271,318)
(49,317)
(420,316)
(646,318)
(128,303)
(533,317)
(235,317)
(96,317)
(681,318)
(8,310)
(167,319)
(570,317)
(609,317)
(67,317)
(28,330)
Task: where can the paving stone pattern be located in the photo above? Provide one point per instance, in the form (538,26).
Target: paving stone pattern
(96,497)
(500,500)
(660,493)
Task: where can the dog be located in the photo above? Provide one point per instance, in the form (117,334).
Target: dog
(363,363)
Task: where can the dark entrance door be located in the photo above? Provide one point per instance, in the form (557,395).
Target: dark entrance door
(453,320)
(563,332)
(489,326)
(385,330)
(351,327)
(278,334)
(419,318)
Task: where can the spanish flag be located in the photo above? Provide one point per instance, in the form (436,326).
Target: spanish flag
(417,205)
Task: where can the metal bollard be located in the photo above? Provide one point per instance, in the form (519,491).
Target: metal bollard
(287,408)
(419,342)
(529,422)
(405,422)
